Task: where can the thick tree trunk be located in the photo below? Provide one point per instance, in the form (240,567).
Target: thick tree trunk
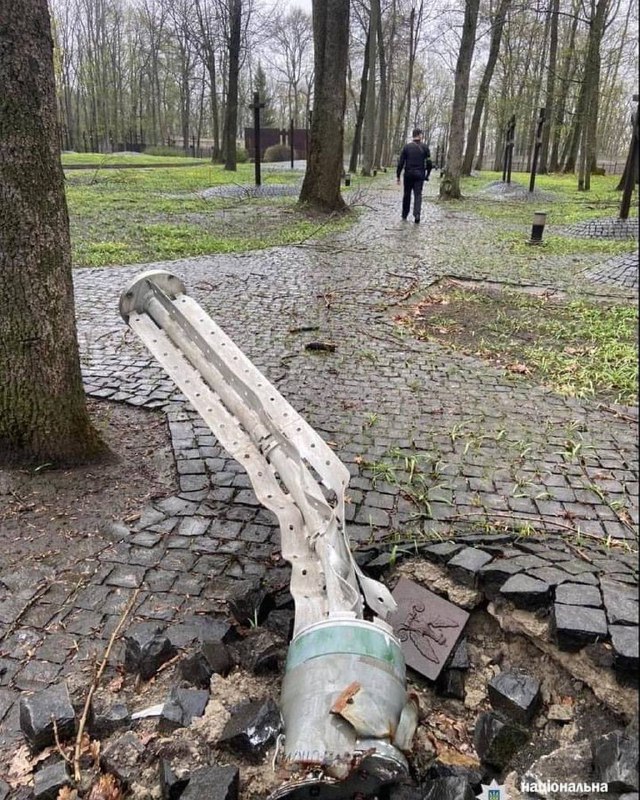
(450,181)
(231,116)
(483,138)
(483,91)
(368,132)
(321,185)
(592,85)
(43,417)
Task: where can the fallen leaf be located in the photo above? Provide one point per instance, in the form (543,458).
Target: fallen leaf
(106,788)
(520,369)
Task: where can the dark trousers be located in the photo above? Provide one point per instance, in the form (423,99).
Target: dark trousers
(412,185)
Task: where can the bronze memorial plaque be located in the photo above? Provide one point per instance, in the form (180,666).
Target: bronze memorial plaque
(427,625)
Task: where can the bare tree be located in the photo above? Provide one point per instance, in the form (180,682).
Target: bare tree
(321,185)
(43,417)
(368,130)
(231,115)
(497,27)
(450,181)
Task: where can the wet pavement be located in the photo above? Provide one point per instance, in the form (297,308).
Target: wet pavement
(546,483)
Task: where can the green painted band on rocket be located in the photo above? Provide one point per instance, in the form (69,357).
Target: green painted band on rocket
(348,640)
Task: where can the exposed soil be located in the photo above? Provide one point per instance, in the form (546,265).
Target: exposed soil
(51,516)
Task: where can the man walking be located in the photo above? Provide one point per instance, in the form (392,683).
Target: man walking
(415,159)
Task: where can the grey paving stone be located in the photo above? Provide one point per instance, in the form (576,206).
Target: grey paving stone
(620,603)
(577,625)
(625,645)
(578,595)
(525,592)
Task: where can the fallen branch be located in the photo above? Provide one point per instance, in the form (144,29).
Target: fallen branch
(95,683)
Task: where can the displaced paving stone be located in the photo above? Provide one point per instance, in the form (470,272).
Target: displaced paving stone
(497,740)
(492,576)
(625,646)
(281,621)
(122,756)
(472,776)
(516,694)
(48,781)
(615,760)
(245,600)
(213,783)
(260,651)
(568,764)
(526,592)
(460,656)
(466,564)
(450,683)
(109,720)
(442,551)
(575,594)
(453,788)
(620,603)
(38,711)
(252,727)
(576,625)
(200,628)
(171,786)
(181,706)
(146,649)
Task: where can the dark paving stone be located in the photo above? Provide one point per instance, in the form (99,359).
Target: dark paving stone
(450,683)
(252,727)
(526,592)
(625,646)
(442,551)
(551,575)
(181,706)
(575,594)
(576,625)
(466,564)
(213,783)
(460,656)
(261,651)
(615,760)
(109,720)
(38,711)
(146,649)
(496,740)
(620,604)
(516,695)
(48,781)
(122,756)
(171,787)
(492,576)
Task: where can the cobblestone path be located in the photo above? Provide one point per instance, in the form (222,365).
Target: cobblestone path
(496,448)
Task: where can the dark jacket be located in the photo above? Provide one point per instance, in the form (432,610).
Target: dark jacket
(413,159)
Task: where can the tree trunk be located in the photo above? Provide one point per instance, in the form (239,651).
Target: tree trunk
(450,181)
(321,185)
(483,91)
(368,132)
(362,103)
(382,102)
(483,139)
(43,417)
(592,85)
(550,90)
(231,115)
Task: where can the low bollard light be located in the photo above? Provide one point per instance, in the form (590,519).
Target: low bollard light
(539,220)
(347,180)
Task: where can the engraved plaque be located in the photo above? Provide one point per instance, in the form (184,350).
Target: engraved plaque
(427,625)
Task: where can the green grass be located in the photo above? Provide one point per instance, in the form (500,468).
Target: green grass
(108,159)
(577,348)
(569,206)
(138,215)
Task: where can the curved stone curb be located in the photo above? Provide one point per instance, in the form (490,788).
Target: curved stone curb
(604,228)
